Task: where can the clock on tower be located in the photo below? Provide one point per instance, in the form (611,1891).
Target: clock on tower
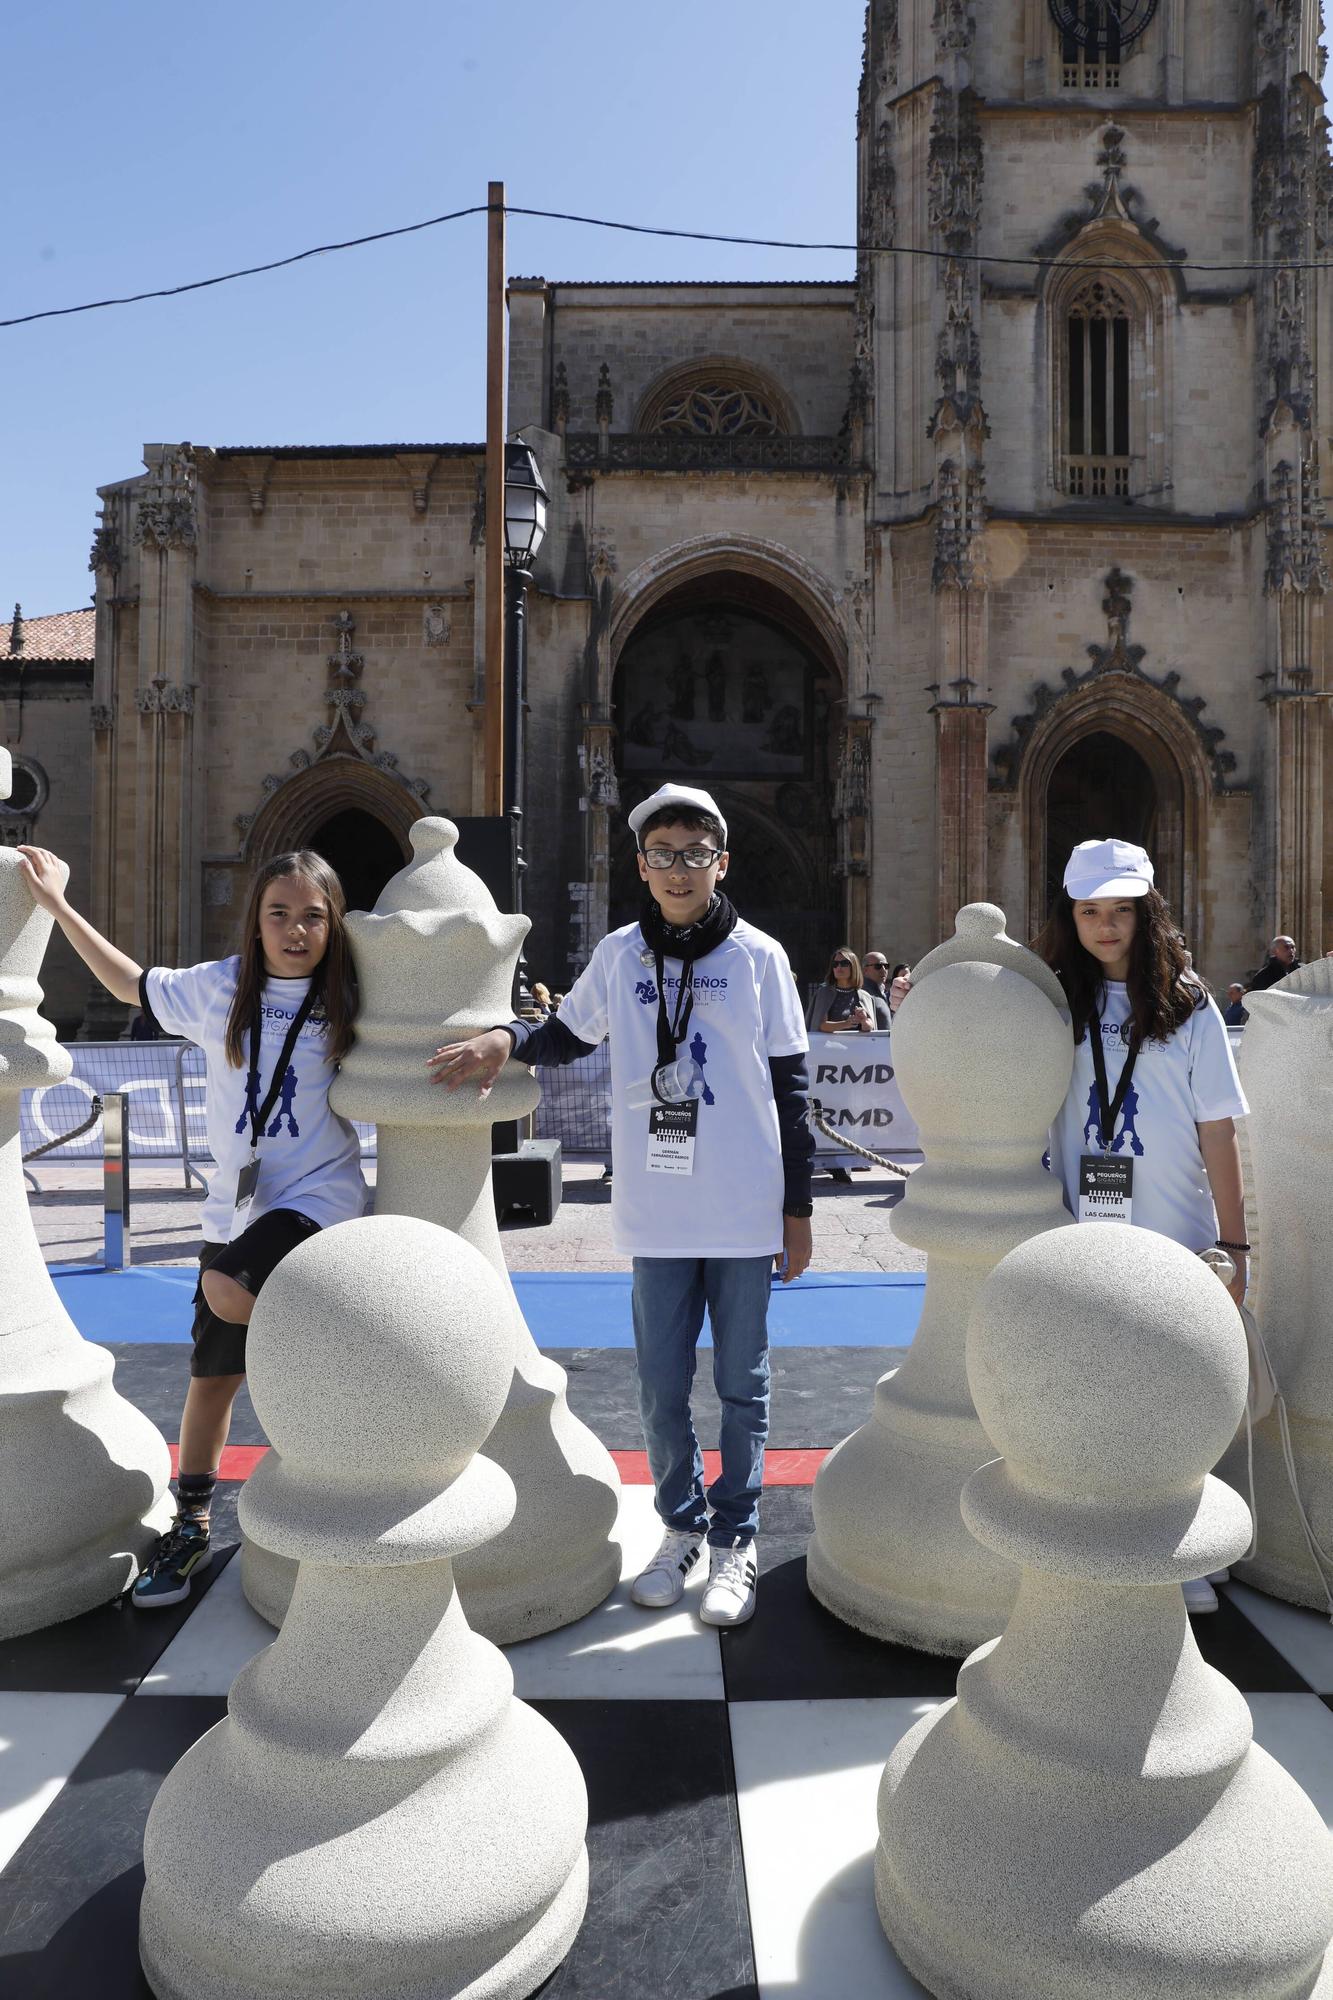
(1098,25)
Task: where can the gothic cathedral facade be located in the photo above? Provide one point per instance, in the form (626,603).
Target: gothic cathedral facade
(1014,537)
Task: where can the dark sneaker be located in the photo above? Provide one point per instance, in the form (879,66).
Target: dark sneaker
(180,1554)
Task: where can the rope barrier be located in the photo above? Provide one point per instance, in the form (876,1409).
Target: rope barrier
(847,1145)
(64,1138)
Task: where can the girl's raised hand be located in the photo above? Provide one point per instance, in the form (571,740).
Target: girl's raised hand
(478,1060)
(45,875)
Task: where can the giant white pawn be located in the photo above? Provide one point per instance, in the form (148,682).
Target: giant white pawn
(376,1815)
(83,1476)
(1091,1820)
(1286,1067)
(435,961)
(983,1057)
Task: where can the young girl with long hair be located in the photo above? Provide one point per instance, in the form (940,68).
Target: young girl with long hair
(274,1021)
(1147,1131)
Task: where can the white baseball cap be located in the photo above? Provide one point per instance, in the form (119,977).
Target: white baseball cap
(1099,868)
(676,795)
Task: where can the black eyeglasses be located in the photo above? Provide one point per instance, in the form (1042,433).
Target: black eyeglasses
(693,857)
(877,965)
(845,963)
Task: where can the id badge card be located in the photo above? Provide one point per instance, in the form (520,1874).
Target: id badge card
(1105,1187)
(672,1130)
(247,1183)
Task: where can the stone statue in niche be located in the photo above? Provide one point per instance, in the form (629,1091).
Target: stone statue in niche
(755,697)
(682,689)
(715,679)
(646,725)
(784,732)
(677,744)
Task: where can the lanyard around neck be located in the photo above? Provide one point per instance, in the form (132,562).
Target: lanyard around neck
(671,1031)
(1109,1109)
(259,1115)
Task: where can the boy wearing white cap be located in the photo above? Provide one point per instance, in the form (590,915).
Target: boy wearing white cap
(1147,1131)
(712,1184)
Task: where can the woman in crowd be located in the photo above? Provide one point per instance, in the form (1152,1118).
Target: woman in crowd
(842,1004)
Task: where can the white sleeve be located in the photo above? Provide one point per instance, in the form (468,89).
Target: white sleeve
(780,1008)
(1214,1080)
(179,1001)
(585,1008)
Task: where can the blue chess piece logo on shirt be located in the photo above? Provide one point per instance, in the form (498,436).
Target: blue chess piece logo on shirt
(699,1050)
(1128,1126)
(645,992)
(286,1102)
(251,1112)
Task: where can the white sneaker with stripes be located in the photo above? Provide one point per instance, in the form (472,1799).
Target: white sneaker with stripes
(733,1575)
(663,1582)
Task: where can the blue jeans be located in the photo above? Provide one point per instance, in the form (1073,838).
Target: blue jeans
(670,1294)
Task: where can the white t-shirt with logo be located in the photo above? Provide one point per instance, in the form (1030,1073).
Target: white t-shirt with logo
(1177,1085)
(746,1011)
(310,1159)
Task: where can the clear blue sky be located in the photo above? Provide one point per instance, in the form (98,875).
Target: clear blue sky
(156,143)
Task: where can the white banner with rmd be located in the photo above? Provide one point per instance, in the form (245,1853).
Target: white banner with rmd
(852,1081)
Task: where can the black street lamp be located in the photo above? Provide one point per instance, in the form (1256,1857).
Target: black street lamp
(525,530)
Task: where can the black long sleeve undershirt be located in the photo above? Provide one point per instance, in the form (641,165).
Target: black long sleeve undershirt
(551,1045)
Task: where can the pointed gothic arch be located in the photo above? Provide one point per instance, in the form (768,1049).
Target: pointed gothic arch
(294,810)
(1151,726)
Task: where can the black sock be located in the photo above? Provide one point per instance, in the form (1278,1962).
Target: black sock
(194,1496)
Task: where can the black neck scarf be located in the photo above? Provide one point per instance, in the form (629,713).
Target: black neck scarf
(688,943)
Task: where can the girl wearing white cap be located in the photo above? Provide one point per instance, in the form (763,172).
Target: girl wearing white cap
(1147,1131)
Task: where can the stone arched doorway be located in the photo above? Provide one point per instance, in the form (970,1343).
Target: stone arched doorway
(1101,788)
(727,684)
(1099,768)
(362,850)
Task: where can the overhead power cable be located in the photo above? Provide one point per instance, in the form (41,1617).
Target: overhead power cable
(653,229)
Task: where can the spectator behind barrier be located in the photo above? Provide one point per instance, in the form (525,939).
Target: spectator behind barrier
(1235,1013)
(1280,961)
(843,1005)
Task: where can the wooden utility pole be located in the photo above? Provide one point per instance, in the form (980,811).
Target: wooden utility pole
(496,370)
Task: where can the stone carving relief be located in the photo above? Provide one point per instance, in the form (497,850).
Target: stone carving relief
(160,697)
(1297,558)
(346,734)
(436,625)
(166,516)
(106,551)
(959,524)
(1117,655)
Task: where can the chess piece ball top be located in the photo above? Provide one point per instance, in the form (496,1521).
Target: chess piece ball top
(385,1341)
(1029,1053)
(1105,1360)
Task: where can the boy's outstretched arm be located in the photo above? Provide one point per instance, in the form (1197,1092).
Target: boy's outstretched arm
(791,1085)
(46,875)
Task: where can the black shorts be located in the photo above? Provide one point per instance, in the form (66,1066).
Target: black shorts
(251,1258)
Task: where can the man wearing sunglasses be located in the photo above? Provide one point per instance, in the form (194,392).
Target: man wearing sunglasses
(712,1151)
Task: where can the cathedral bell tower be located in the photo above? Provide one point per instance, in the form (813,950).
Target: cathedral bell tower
(1087,371)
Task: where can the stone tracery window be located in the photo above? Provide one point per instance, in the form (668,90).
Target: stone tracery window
(715,398)
(718,409)
(1099,322)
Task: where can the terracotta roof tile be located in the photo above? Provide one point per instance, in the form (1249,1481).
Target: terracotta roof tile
(65,635)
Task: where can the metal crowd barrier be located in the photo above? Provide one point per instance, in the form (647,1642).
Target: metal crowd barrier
(164,1087)
(576,1103)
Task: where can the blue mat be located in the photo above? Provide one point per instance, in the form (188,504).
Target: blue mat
(563,1308)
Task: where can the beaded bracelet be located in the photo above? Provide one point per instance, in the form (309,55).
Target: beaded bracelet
(1243,1248)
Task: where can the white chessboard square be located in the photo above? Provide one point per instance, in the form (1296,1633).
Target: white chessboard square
(620,1652)
(214,1643)
(42,1738)
(807,1776)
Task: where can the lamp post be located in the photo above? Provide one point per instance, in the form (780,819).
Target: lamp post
(525,529)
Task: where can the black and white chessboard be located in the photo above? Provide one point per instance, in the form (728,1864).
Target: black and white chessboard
(731,1780)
